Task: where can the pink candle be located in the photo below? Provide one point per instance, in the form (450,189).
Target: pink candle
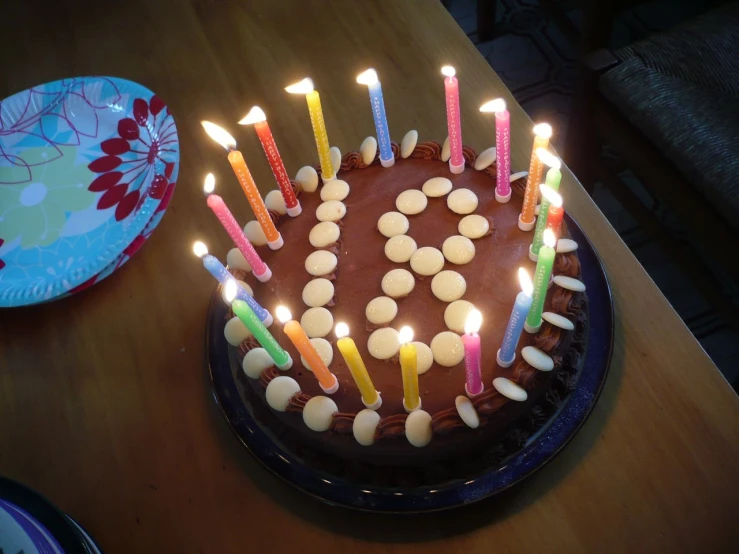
(224,215)
(453,119)
(472,354)
(502,147)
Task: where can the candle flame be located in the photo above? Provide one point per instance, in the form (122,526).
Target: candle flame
(283,314)
(219,134)
(200,249)
(405,334)
(549,239)
(229,290)
(548,158)
(497,105)
(473,322)
(209,184)
(554,198)
(255,115)
(543,130)
(301,87)
(525,280)
(368,77)
(448,71)
(341,330)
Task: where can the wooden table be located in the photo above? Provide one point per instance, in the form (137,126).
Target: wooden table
(105,404)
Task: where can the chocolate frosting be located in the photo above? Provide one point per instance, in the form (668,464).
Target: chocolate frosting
(342,424)
(392,426)
(489,402)
(446,420)
(548,337)
(298,402)
(525,375)
(567,264)
(564,302)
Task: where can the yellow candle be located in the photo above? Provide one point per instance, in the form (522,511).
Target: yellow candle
(409,370)
(328,172)
(236,159)
(296,334)
(347,347)
(542,133)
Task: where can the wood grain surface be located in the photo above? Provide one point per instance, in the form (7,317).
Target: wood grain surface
(105,404)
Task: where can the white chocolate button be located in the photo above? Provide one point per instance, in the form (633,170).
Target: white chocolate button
(558,321)
(437,187)
(474,226)
(323,234)
(335,155)
(400,248)
(318,413)
(398,283)
(408,143)
(243,285)
(569,283)
(323,347)
(368,150)
(462,201)
(364,426)
(307,178)
(318,292)
(321,262)
(519,175)
(335,190)
(537,359)
(456,314)
(458,250)
(566,245)
(317,322)
(509,389)
(235,331)
(383,343)
(427,261)
(411,202)
(391,224)
(333,210)
(381,310)
(446,151)
(418,429)
(235,260)
(255,234)
(255,362)
(467,412)
(275,202)
(447,348)
(424,357)
(279,392)
(448,286)
(486,158)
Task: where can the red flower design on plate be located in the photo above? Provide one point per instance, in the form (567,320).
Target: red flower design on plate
(136,156)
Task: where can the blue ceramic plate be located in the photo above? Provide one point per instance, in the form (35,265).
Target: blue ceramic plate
(84,165)
(465,489)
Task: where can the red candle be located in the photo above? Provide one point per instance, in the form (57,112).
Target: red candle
(556,212)
(256,116)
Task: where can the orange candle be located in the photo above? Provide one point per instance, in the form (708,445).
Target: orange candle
(327,380)
(526,221)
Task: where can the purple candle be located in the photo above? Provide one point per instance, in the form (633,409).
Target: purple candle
(502,147)
(472,354)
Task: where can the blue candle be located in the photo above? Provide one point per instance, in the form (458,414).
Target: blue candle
(218,270)
(507,352)
(369,78)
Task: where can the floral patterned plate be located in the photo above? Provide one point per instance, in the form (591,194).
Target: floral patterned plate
(87,166)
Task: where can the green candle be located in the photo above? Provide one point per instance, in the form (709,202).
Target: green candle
(541,282)
(554,176)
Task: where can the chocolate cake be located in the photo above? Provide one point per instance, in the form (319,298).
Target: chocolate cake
(499,424)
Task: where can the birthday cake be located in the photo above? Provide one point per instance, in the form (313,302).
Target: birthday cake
(381,248)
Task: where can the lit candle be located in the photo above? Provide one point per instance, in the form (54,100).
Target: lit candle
(541,282)
(507,351)
(453,119)
(327,380)
(236,159)
(217,270)
(347,347)
(377,103)
(527,219)
(224,215)
(554,176)
(328,171)
(247,316)
(556,212)
(409,370)
(502,147)
(259,120)
(472,354)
